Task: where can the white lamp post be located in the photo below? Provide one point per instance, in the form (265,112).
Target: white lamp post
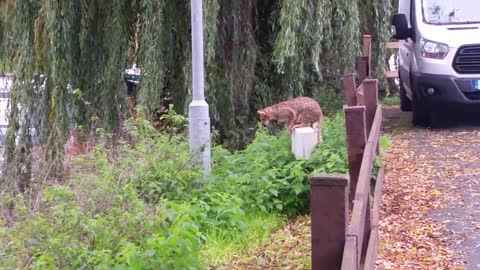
(199,119)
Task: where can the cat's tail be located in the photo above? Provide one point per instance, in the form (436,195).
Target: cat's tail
(317,126)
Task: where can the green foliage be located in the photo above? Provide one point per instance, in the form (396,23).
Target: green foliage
(381,11)
(159,166)
(346,22)
(256,52)
(391,100)
(173,121)
(385,143)
(142,205)
(113,229)
(219,249)
(267,176)
(127,209)
(331,99)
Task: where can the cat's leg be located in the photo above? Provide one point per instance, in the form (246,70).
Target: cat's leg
(287,116)
(290,127)
(299,125)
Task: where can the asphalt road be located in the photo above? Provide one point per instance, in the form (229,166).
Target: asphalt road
(453,153)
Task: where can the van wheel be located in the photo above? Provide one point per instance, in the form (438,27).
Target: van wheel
(420,116)
(405,102)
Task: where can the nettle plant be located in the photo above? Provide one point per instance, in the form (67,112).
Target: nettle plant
(145,204)
(267,176)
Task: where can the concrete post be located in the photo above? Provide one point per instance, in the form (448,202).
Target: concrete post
(199,119)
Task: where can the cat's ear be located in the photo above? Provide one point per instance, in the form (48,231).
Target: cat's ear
(261,112)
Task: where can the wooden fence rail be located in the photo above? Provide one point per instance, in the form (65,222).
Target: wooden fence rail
(363,65)
(344,221)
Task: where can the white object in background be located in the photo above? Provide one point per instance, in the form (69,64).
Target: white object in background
(304,142)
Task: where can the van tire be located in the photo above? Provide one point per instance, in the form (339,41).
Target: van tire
(405,102)
(420,116)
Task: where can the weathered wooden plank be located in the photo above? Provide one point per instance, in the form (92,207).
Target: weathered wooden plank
(359,225)
(393,45)
(350,260)
(391,73)
(360,94)
(370,90)
(349,86)
(357,220)
(367,52)
(372,249)
(362,68)
(355,125)
(329,215)
(367,45)
(377,199)
(369,155)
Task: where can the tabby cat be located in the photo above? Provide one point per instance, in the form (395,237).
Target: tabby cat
(294,113)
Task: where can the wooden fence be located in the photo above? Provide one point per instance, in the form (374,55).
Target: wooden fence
(392,73)
(364,62)
(344,216)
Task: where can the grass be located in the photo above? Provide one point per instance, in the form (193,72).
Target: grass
(220,250)
(390,100)
(288,248)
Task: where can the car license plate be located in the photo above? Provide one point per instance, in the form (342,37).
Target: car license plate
(476,84)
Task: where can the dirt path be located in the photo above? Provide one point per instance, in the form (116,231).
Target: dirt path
(431,211)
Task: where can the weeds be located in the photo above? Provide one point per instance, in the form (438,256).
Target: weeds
(141,205)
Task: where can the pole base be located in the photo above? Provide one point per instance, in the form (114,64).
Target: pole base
(199,132)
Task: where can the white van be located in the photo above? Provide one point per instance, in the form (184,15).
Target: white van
(439,57)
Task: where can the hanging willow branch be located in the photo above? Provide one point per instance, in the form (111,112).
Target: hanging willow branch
(381,34)
(21,104)
(68,58)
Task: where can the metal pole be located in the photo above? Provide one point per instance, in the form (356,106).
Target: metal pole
(199,119)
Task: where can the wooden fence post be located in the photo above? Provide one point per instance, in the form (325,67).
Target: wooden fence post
(355,125)
(360,96)
(367,52)
(350,88)
(329,214)
(362,68)
(370,92)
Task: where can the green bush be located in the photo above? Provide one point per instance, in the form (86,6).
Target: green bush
(267,176)
(113,228)
(331,99)
(146,204)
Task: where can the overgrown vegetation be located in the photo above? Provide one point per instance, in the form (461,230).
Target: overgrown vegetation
(138,200)
(145,205)
(256,53)
(391,100)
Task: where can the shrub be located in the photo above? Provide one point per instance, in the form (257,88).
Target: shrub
(117,230)
(330,97)
(267,176)
(145,204)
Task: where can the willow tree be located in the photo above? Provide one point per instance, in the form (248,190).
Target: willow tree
(68,57)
